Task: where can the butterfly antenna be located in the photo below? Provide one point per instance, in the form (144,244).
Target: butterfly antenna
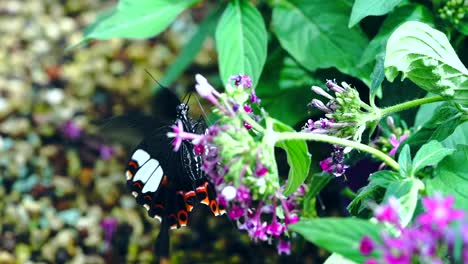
(154,79)
(205,116)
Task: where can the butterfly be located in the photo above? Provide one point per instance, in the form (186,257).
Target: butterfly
(170,184)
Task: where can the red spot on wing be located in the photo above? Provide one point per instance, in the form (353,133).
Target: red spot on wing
(202,193)
(133,164)
(138,184)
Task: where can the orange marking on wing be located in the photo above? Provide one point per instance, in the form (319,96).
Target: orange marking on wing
(214,207)
(133,164)
(164,180)
(182,216)
(202,189)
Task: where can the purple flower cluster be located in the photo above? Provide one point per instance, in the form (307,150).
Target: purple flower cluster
(241,166)
(345,117)
(335,163)
(430,240)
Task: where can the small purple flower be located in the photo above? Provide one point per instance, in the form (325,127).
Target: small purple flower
(236,212)
(247,108)
(254,98)
(326,165)
(396,143)
(439,212)
(388,212)
(243,195)
(261,170)
(199,149)
(366,246)
(333,86)
(180,135)
(284,247)
(247,125)
(106,152)
(71,130)
(242,80)
(205,90)
(291,219)
(275,229)
(371,261)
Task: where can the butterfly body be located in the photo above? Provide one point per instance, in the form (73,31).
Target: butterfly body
(170,184)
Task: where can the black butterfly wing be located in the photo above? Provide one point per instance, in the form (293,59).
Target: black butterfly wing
(169,184)
(157,181)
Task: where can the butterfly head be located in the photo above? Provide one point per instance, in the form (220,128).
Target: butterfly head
(182,111)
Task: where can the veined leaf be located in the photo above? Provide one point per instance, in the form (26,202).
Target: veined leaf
(298,158)
(338,235)
(315,34)
(451,177)
(425,56)
(136,19)
(241,41)
(364,8)
(430,154)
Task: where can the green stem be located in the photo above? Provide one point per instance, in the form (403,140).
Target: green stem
(252,122)
(410,104)
(338,141)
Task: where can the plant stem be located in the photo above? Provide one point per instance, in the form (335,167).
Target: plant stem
(338,141)
(410,104)
(252,122)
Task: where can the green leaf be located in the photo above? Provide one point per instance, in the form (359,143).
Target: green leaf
(289,105)
(458,137)
(136,19)
(425,56)
(451,177)
(338,259)
(425,113)
(406,192)
(338,235)
(241,41)
(444,121)
(191,49)
(377,78)
(298,158)
(315,34)
(412,12)
(383,178)
(404,160)
(317,182)
(377,181)
(292,75)
(364,8)
(429,155)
